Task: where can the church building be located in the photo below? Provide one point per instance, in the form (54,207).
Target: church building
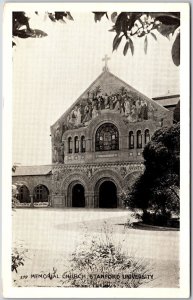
(97,147)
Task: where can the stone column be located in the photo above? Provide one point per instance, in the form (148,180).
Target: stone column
(142,141)
(49,201)
(89,200)
(65,199)
(88,145)
(32,201)
(119,201)
(96,200)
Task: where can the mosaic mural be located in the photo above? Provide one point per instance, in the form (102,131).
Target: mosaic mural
(128,103)
(124,102)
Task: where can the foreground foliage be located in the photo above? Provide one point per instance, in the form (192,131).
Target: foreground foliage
(103,263)
(17,260)
(126,25)
(157,189)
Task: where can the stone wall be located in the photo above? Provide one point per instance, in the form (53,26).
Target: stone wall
(89,176)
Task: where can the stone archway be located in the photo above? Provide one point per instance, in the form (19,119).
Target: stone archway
(107,194)
(102,176)
(67,185)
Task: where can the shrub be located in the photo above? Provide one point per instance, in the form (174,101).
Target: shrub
(103,263)
(157,219)
(17,260)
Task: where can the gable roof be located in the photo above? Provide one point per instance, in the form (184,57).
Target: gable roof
(32,170)
(109,83)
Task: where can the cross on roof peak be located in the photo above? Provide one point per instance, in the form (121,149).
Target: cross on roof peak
(105,59)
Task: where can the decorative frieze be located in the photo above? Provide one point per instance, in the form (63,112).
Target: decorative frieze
(60,172)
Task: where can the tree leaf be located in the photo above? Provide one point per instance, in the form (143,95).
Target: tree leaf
(23,33)
(154,36)
(145,44)
(114,17)
(38,33)
(127,44)
(132,18)
(121,24)
(142,34)
(69,16)
(98,15)
(168,18)
(52,17)
(106,15)
(166,30)
(59,15)
(117,41)
(33,33)
(176,50)
(131,46)
(112,29)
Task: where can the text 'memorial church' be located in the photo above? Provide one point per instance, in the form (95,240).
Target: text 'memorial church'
(97,147)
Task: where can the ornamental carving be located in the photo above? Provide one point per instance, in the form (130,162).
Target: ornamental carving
(123,171)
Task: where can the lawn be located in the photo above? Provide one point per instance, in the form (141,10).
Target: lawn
(48,236)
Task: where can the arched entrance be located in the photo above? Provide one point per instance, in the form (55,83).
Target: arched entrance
(108,195)
(78,197)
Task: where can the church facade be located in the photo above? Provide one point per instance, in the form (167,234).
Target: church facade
(97,147)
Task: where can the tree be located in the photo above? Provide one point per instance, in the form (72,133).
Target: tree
(156,191)
(21,26)
(177,112)
(126,25)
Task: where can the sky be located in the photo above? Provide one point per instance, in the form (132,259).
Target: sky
(50,73)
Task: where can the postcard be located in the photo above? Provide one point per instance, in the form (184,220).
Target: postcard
(96,113)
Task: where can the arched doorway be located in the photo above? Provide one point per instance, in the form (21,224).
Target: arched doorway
(78,197)
(108,195)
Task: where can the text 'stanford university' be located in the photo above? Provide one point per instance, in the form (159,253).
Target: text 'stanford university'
(97,147)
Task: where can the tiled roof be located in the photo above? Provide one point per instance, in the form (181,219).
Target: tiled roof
(32,170)
(167,100)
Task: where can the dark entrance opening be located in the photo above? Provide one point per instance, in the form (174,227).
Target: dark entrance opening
(78,198)
(108,195)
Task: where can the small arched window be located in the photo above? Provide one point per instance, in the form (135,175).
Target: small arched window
(83,144)
(107,138)
(41,193)
(139,139)
(76,145)
(147,136)
(23,195)
(69,145)
(131,140)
